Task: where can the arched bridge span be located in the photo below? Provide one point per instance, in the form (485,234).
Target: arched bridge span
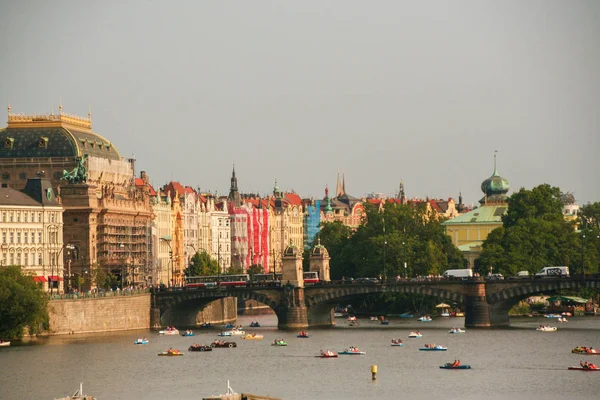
(486,302)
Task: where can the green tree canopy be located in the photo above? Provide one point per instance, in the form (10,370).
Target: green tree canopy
(256,269)
(23,303)
(534,235)
(385,241)
(202,265)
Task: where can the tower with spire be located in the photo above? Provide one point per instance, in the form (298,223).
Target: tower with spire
(234,195)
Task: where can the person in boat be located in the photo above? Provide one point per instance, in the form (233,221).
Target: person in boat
(456,363)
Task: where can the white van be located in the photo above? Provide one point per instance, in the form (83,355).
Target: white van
(553,272)
(458,273)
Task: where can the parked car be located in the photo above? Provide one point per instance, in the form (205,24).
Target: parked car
(495,277)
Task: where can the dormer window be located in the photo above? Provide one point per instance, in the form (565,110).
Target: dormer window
(8,143)
(43,142)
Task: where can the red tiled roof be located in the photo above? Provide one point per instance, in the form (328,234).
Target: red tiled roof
(293,198)
(174,186)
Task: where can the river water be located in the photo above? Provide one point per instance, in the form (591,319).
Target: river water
(513,363)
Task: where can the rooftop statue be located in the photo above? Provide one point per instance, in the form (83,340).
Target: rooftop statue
(77,174)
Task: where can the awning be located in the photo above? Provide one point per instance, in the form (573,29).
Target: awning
(55,278)
(442,305)
(568,298)
(39,279)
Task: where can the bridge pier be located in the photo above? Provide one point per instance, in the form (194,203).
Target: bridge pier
(155,318)
(292,312)
(477,309)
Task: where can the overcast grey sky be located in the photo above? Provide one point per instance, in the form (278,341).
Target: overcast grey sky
(423,91)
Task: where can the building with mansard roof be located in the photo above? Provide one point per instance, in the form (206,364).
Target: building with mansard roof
(468,231)
(31,228)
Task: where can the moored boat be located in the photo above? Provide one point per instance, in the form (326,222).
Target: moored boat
(353,351)
(141,341)
(78,395)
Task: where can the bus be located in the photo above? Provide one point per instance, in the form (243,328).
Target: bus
(310,278)
(214,281)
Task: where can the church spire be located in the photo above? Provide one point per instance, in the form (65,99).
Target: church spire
(234,195)
(338,189)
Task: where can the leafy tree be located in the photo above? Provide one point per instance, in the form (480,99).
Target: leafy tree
(234,270)
(23,303)
(384,242)
(202,265)
(589,225)
(256,269)
(534,235)
(334,236)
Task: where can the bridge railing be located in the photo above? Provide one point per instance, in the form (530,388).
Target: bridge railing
(99,294)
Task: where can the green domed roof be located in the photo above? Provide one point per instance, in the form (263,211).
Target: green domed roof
(53,135)
(495,187)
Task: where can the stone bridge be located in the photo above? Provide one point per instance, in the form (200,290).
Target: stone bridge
(486,303)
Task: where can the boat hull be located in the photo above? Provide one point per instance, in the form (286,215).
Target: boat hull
(170,354)
(458,367)
(352,353)
(4,344)
(434,349)
(398,344)
(141,342)
(583,369)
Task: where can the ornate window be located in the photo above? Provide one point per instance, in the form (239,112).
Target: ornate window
(43,142)
(9,143)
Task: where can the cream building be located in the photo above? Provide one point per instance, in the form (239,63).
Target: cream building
(31,233)
(468,231)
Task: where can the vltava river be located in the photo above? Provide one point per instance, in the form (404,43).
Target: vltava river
(514,363)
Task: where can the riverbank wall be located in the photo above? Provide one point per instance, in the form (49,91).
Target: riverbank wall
(99,314)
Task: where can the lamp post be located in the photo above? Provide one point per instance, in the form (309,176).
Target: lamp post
(404,257)
(56,258)
(122,245)
(167,240)
(384,248)
(219,265)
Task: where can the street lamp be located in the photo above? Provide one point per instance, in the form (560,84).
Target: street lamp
(167,240)
(384,246)
(404,257)
(56,258)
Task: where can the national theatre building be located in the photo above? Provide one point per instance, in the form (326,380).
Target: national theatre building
(107,218)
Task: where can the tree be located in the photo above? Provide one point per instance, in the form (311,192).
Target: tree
(256,269)
(534,235)
(334,236)
(202,265)
(23,303)
(386,240)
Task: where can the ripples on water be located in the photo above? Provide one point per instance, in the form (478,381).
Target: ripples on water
(513,363)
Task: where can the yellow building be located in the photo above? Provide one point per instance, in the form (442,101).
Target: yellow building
(469,230)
